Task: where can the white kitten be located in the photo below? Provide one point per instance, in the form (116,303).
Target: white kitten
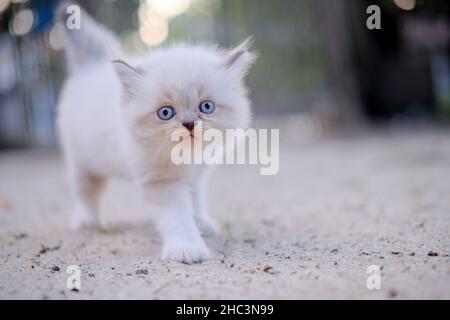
(116,119)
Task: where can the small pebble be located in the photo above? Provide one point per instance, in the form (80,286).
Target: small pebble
(142,271)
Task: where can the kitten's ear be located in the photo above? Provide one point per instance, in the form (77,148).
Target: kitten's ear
(129,76)
(240,58)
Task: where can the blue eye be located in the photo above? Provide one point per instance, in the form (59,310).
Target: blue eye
(207,107)
(166,113)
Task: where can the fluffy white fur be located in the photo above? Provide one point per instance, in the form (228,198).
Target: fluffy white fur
(109,128)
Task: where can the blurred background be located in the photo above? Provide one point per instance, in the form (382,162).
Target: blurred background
(373,189)
(317,57)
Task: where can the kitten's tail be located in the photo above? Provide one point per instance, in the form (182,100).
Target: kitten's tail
(86,41)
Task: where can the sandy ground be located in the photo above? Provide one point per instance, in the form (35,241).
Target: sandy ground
(337,206)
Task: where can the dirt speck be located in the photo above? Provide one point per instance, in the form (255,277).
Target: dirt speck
(20,236)
(432,254)
(392,293)
(45,249)
(56,269)
(268,269)
(141,271)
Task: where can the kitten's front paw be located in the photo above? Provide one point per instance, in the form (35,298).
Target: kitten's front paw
(82,220)
(207,227)
(185,252)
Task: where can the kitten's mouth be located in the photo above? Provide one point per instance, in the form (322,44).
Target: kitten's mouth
(191,135)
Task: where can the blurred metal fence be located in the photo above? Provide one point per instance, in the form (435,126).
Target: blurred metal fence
(29,76)
(315,55)
(288,75)
(27,93)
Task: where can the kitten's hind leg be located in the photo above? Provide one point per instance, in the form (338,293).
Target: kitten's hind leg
(207,226)
(86,190)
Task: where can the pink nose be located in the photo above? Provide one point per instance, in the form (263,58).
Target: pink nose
(189,125)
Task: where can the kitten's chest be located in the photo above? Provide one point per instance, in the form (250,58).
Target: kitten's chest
(162,169)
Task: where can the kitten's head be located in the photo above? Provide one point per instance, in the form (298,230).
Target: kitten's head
(176,88)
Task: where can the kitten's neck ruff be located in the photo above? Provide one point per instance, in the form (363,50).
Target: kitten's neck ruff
(150,163)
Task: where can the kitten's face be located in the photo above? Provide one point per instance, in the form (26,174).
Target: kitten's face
(176,89)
